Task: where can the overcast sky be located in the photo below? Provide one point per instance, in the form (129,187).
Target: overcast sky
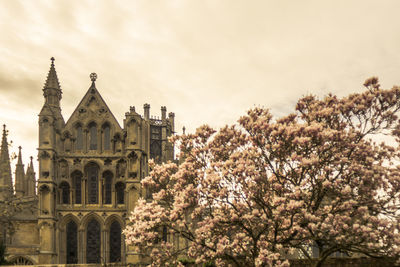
(207,61)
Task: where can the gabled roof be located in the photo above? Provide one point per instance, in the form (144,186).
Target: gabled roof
(85,105)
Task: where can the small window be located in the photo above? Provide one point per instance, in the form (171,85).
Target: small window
(79,138)
(64,193)
(107,141)
(77,178)
(92,136)
(107,187)
(120,188)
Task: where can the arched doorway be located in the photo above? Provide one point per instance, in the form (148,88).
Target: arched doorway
(72,243)
(115,242)
(93,242)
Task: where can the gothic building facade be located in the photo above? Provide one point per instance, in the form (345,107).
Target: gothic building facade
(89,176)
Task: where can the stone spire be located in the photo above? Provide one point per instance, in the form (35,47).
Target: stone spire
(30,180)
(20,183)
(6,187)
(52,95)
(52,90)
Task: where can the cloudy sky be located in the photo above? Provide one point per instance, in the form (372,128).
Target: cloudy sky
(207,61)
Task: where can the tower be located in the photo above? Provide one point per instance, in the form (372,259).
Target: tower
(50,124)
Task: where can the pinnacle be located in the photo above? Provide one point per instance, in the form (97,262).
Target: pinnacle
(19,156)
(4,155)
(52,79)
(5,168)
(30,166)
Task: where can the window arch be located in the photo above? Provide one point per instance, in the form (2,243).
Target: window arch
(72,243)
(92,173)
(79,137)
(92,136)
(64,186)
(93,241)
(107,186)
(20,260)
(77,180)
(120,190)
(115,242)
(106,137)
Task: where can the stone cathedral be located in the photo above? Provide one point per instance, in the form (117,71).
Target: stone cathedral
(88,180)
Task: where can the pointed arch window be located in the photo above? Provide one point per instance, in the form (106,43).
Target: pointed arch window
(72,243)
(107,187)
(79,138)
(64,186)
(77,180)
(92,171)
(92,136)
(119,189)
(106,137)
(93,240)
(115,242)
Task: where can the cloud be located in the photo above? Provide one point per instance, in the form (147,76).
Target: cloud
(207,61)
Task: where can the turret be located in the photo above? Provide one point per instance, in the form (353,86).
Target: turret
(146,108)
(6,187)
(171,117)
(163,113)
(20,183)
(51,123)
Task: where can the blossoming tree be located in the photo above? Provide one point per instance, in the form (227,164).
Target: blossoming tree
(265,190)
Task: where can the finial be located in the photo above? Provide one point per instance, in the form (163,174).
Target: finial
(19,148)
(52,60)
(93,76)
(4,127)
(31,158)
(184,129)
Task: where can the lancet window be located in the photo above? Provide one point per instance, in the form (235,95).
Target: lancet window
(64,186)
(115,242)
(92,171)
(107,187)
(92,136)
(72,243)
(119,189)
(79,138)
(93,240)
(77,180)
(106,137)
